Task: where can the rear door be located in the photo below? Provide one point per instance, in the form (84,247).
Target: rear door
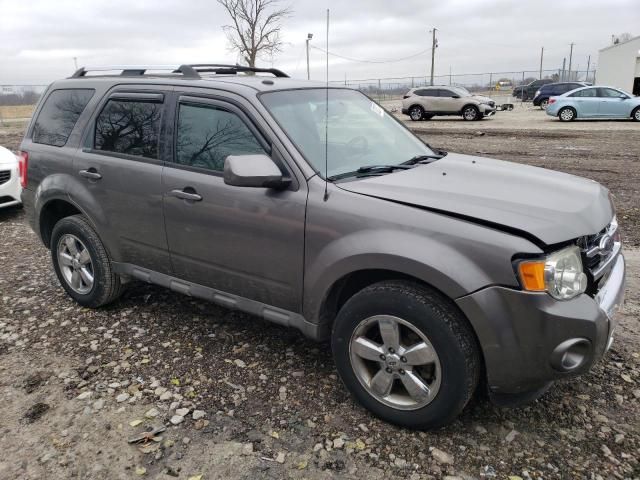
(428,98)
(121,168)
(244,241)
(587,102)
(448,102)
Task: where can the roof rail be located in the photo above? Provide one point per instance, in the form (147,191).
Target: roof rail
(187,70)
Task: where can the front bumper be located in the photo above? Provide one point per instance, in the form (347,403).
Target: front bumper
(530,339)
(10,189)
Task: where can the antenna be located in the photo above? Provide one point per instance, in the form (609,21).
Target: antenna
(326,122)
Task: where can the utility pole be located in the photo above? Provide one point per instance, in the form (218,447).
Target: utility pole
(570,58)
(309,37)
(75,62)
(586,78)
(541,57)
(434,44)
(564,64)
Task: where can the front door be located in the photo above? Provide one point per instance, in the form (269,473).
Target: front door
(120,165)
(613,103)
(244,241)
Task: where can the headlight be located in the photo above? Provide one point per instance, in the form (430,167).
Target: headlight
(537,93)
(560,274)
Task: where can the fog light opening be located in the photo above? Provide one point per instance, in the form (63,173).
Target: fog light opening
(571,354)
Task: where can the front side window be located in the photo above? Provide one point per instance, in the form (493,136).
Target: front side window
(129,127)
(360,133)
(207,135)
(611,93)
(59,115)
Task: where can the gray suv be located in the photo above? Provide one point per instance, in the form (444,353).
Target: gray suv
(430,273)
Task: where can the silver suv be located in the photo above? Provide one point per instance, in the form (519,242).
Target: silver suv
(423,103)
(431,273)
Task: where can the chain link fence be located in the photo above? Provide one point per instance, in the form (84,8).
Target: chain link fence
(496,83)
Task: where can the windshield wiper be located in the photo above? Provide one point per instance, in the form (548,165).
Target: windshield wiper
(370,170)
(424,158)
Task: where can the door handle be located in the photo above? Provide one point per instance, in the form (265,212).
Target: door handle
(91,174)
(184,195)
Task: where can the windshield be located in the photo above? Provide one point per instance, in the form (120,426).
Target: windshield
(360,132)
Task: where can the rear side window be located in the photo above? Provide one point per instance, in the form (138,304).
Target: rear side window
(129,127)
(427,93)
(207,135)
(59,115)
(587,92)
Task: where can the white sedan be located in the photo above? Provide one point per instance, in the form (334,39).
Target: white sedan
(10,188)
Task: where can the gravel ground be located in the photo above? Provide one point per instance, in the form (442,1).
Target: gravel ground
(241,398)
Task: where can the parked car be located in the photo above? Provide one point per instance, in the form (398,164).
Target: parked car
(423,103)
(431,273)
(9,179)
(594,102)
(541,98)
(527,92)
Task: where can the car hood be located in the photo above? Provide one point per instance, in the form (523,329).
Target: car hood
(7,157)
(535,202)
(483,99)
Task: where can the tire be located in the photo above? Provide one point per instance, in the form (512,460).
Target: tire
(544,103)
(470,113)
(567,114)
(90,260)
(423,316)
(636,114)
(416,112)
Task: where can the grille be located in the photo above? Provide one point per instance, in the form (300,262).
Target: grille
(5,175)
(599,251)
(492,104)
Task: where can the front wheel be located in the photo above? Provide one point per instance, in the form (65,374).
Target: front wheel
(544,104)
(636,114)
(406,353)
(567,114)
(82,264)
(470,112)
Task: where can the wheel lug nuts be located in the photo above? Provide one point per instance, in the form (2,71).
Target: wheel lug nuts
(401,372)
(403,359)
(382,357)
(391,350)
(388,370)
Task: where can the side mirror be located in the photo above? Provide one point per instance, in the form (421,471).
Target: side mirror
(257,171)
(455,96)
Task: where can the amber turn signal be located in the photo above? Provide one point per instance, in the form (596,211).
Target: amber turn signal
(532,276)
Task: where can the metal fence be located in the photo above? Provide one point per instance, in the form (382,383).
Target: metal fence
(503,82)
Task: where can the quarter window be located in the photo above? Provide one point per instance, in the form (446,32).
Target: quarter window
(610,92)
(59,115)
(129,127)
(207,135)
(427,93)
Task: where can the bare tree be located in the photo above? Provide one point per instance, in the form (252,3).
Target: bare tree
(255,28)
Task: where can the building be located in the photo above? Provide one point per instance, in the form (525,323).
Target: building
(619,66)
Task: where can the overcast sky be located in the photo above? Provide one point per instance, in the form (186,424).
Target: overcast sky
(39,38)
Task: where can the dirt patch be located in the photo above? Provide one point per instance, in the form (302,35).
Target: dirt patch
(35,412)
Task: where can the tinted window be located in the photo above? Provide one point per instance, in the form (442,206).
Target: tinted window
(610,92)
(129,127)
(587,92)
(446,93)
(427,93)
(59,115)
(207,135)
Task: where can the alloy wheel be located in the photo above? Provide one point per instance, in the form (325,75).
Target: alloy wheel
(416,113)
(395,362)
(544,104)
(470,113)
(566,114)
(75,264)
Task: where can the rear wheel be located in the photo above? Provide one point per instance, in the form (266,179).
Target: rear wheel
(636,114)
(567,114)
(470,112)
(82,264)
(544,103)
(416,112)
(406,353)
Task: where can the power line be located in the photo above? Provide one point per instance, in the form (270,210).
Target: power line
(351,59)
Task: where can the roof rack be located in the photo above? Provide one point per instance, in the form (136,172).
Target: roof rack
(187,70)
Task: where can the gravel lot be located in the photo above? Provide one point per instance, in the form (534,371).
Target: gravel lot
(241,398)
